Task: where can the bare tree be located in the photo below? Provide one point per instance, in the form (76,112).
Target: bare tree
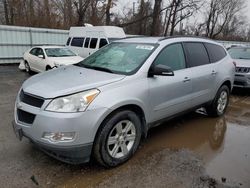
(219,14)
(81,7)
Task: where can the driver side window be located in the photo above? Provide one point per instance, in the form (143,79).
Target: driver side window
(172,56)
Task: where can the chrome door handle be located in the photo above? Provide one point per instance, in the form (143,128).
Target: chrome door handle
(214,72)
(186,79)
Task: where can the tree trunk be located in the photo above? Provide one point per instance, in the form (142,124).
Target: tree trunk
(107,12)
(6,12)
(156,18)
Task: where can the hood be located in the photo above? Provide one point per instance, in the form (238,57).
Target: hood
(67,80)
(242,63)
(66,60)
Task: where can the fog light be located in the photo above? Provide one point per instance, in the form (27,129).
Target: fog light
(59,137)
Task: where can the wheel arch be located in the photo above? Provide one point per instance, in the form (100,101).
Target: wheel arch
(134,108)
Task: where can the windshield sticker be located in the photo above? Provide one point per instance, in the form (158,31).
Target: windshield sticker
(145,47)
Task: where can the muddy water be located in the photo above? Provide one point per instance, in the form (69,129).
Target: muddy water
(223,144)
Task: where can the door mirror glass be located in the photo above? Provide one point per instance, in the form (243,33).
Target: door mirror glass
(160,70)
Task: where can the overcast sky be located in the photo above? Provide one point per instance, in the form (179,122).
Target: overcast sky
(128,4)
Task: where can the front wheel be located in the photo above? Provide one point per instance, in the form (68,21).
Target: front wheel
(219,105)
(118,138)
(27,67)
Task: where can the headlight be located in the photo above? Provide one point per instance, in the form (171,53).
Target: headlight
(73,103)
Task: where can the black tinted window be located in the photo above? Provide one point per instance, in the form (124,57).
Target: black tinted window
(78,42)
(196,54)
(68,41)
(33,51)
(216,53)
(86,45)
(103,42)
(93,43)
(39,51)
(172,56)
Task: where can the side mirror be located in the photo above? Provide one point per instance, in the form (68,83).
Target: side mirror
(160,70)
(41,56)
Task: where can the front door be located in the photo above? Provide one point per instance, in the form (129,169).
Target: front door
(169,95)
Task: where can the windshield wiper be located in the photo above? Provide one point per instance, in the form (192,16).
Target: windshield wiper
(244,58)
(97,68)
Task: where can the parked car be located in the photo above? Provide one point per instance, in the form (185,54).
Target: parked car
(241,56)
(108,101)
(42,58)
(86,40)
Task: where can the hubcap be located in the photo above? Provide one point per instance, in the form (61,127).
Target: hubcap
(222,102)
(121,139)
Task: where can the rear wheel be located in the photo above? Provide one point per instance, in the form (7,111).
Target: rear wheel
(118,139)
(48,68)
(219,105)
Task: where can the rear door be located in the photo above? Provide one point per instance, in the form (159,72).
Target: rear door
(169,95)
(77,45)
(203,72)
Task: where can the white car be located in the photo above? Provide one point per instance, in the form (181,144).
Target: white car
(43,58)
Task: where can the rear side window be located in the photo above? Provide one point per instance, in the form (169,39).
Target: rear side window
(216,53)
(196,54)
(68,41)
(86,44)
(172,56)
(77,41)
(93,43)
(103,42)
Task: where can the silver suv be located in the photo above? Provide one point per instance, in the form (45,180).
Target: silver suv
(104,105)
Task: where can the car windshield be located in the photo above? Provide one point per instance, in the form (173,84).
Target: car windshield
(119,58)
(240,53)
(59,52)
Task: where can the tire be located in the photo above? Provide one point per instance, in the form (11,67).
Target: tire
(219,105)
(48,68)
(27,67)
(113,144)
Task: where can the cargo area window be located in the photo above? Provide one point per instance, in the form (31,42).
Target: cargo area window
(93,43)
(86,45)
(103,42)
(77,41)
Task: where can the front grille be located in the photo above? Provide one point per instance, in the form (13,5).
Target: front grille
(25,117)
(239,83)
(242,69)
(31,100)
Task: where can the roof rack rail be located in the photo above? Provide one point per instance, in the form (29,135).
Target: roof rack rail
(183,36)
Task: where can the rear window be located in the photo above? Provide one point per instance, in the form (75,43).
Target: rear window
(93,43)
(86,45)
(68,41)
(216,53)
(103,42)
(77,41)
(196,54)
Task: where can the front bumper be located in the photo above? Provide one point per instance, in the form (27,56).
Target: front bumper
(84,125)
(242,80)
(69,154)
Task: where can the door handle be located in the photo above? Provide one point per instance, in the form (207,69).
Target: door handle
(186,79)
(214,72)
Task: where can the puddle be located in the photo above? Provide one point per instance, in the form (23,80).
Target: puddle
(223,144)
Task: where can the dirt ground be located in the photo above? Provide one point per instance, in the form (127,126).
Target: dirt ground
(190,151)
